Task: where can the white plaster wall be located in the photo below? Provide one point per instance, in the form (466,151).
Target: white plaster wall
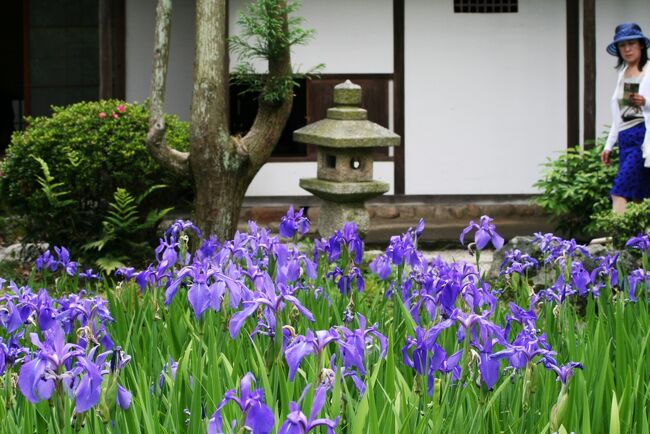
(485,96)
(281,179)
(352,36)
(608,15)
(140,18)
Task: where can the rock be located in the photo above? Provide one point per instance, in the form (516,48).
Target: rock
(22,252)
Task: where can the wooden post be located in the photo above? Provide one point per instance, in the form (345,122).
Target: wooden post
(105,49)
(589,43)
(398,93)
(573,71)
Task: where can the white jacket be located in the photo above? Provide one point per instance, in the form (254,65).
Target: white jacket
(644,90)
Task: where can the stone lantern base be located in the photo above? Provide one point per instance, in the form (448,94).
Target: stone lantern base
(333,215)
(343,202)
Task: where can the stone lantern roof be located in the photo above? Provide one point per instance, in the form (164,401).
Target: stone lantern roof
(346,125)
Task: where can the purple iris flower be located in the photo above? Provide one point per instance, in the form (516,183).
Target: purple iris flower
(89,274)
(69,266)
(46,262)
(207,288)
(423,346)
(36,378)
(517,262)
(258,417)
(485,233)
(124,397)
(581,278)
(170,367)
(524,349)
(634,278)
(301,346)
(546,242)
(167,256)
(352,344)
(487,366)
(298,423)
(640,242)
(294,222)
(344,282)
(126,272)
(179,226)
(89,389)
(558,292)
(272,303)
(12,352)
(557,249)
(428,356)
(606,269)
(10,317)
(564,372)
(346,237)
(381,267)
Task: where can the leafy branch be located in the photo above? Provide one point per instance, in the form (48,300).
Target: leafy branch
(265,35)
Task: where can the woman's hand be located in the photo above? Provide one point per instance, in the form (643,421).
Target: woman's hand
(637,99)
(604,157)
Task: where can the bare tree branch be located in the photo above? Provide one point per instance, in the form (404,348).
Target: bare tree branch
(169,158)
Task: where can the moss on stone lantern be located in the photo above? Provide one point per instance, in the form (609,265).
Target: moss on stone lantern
(345,142)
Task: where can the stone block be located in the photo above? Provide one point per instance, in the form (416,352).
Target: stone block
(387,211)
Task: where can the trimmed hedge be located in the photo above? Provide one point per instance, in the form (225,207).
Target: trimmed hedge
(91,149)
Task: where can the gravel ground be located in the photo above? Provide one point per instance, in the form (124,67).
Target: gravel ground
(451,255)
(462,255)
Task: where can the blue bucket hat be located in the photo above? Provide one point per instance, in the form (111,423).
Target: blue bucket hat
(626,32)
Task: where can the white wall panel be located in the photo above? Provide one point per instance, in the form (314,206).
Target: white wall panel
(281,179)
(352,36)
(485,96)
(140,18)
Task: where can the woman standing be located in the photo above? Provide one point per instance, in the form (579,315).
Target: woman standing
(630,117)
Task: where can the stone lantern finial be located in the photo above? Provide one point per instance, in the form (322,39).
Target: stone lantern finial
(345,140)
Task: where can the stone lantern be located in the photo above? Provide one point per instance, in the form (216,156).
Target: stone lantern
(345,142)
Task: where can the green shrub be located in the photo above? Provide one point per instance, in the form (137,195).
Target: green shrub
(62,171)
(575,187)
(622,227)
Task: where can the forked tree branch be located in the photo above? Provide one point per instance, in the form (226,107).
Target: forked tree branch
(271,118)
(170,158)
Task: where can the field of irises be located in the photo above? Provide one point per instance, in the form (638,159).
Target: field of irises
(257,334)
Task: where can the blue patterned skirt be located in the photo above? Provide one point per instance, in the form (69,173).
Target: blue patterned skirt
(633,179)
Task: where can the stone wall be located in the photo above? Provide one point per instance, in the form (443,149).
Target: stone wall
(444,220)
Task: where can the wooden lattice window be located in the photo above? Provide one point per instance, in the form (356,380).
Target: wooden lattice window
(486,6)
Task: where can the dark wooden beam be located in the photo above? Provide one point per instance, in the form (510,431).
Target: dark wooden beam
(573,71)
(398,93)
(119,49)
(589,44)
(105,49)
(27,97)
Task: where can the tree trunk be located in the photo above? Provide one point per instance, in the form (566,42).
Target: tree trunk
(221,167)
(218,201)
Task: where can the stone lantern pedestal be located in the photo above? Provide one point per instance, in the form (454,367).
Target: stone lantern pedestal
(345,142)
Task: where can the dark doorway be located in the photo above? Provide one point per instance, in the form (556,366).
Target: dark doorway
(11,73)
(62,53)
